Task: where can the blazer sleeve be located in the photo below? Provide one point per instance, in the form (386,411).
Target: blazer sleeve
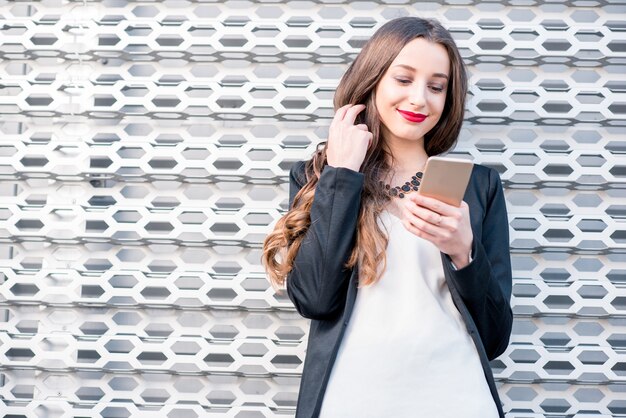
(485,284)
(318,282)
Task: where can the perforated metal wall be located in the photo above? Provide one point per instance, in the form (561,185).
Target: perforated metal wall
(144,151)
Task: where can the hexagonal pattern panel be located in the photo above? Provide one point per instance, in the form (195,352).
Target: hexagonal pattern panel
(144,153)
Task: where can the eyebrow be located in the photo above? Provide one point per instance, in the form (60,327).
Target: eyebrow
(408,67)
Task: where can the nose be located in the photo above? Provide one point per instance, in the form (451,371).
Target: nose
(417,96)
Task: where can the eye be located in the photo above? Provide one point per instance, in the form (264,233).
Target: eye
(403,81)
(437,89)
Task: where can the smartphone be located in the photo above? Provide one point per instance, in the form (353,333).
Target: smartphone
(446,179)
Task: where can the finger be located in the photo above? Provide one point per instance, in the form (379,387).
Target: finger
(435,205)
(428,215)
(369,137)
(352,113)
(341,112)
(429,227)
(362,127)
(418,231)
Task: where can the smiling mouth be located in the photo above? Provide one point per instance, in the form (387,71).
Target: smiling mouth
(412,117)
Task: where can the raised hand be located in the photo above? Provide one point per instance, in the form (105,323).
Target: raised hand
(347,142)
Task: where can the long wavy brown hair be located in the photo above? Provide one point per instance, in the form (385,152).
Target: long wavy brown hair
(357,86)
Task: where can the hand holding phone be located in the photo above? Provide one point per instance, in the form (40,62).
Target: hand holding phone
(437,212)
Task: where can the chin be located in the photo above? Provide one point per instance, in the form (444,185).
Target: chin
(413,137)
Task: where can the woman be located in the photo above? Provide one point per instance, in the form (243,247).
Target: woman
(408,296)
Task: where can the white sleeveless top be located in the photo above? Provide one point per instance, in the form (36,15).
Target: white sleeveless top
(406,351)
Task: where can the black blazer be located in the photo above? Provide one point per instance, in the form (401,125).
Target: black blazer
(322,289)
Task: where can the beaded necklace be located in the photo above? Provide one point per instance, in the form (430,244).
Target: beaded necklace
(406,188)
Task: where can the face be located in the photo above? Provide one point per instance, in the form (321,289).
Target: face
(411,95)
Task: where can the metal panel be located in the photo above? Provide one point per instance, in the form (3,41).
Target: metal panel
(144,153)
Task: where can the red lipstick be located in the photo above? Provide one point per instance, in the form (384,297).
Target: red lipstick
(412,117)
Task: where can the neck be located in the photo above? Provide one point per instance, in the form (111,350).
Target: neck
(409,157)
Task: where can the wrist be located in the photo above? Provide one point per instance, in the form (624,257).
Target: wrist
(462,260)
